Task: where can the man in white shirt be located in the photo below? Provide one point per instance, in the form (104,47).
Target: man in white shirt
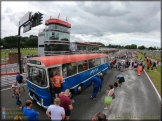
(55,111)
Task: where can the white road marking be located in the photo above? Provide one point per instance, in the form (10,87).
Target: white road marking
(7,89)
(153,86)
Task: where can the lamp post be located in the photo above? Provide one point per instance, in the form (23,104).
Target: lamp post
(19,56)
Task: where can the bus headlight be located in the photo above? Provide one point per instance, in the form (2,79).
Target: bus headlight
(42,100)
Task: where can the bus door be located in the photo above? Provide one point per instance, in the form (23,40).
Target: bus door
(52,71)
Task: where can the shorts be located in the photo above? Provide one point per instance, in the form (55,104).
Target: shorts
(20,85)
(57,89)
(135,66)
(121,80)
(67,112)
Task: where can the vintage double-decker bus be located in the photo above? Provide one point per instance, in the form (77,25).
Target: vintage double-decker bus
(71,67)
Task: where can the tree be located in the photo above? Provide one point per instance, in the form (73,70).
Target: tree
(11,42)
(141,47)
(151,48)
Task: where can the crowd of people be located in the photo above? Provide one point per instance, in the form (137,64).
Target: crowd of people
(134,64)
(62,104)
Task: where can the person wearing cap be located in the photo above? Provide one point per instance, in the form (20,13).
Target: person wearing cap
(14,90)
(20,81)
(96,81)
(100,75)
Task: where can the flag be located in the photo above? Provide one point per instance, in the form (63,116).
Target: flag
(59,16)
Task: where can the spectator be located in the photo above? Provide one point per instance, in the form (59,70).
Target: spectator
(96,81)
(20,81)
(135,65)
(143,65)
(139,69)
(99,117)
(14,90)
(57,80)
(17,118)
(100,75)
(157,63)
(31,114)
(148,63)
(64,72)
(84,67)
(55,111)
(120,80)
(110,93)
(126,65)
(122,66)
(154,65)
(132,64)
(17,95)
(66,103)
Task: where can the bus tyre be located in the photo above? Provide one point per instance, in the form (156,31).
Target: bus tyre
(79,89)
(70,95)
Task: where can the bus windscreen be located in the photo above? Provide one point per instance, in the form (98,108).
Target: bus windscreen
(37,76)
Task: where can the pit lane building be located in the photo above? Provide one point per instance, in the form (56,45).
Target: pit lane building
(55,39)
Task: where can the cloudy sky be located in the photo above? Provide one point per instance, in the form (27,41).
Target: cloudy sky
(108,22)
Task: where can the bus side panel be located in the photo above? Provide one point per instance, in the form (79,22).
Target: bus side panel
(36,91)
(94,72)
(105,68)
(83,78)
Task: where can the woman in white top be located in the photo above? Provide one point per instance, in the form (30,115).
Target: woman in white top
(110,93)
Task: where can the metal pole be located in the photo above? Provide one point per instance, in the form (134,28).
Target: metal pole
(5,65)
(19,56)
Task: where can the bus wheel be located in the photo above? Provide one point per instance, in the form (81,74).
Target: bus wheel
(79,89)
(70,95)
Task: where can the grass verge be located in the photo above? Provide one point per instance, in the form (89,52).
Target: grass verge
(155,76)
(23,52)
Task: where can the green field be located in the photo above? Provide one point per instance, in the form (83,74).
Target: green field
(155,54)
(24,52)
(155,76)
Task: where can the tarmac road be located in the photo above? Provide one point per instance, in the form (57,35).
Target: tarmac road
(136,99)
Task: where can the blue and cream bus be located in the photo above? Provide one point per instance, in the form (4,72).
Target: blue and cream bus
(71,67)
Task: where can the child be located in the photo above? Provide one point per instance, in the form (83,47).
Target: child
(109,93)
(14,89)
(17,95)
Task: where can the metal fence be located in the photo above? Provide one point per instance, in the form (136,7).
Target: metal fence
(8,80)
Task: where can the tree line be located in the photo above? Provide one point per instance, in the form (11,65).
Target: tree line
(149,48)
(10,42)
(32,42)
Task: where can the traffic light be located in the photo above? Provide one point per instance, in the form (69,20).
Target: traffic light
(40,16)
(37,19)
(34,19)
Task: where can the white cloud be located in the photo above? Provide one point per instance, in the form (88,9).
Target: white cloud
(108,22)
